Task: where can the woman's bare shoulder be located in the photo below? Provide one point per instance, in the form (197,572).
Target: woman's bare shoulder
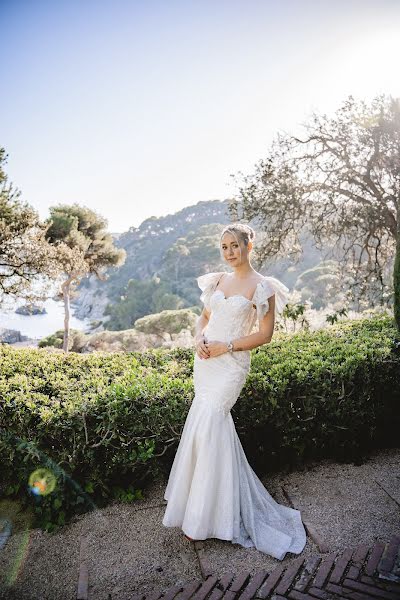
(258,277)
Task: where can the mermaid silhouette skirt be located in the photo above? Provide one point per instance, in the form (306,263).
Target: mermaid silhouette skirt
(212,491)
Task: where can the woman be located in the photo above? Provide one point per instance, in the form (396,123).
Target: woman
(212,491)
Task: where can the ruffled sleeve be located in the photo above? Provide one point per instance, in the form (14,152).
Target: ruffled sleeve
(207,285)
(267,288)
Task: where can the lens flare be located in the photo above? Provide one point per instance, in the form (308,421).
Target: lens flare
(42,482)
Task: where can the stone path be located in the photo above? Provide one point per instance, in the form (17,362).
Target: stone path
(362,573)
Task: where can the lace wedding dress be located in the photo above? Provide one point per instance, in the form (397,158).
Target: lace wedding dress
(212,491)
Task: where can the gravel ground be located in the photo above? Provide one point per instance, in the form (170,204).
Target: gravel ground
(129,550)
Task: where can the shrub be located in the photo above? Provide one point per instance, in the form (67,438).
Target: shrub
(106,424)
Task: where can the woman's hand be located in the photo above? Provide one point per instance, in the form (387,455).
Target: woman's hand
(216,348)
(200,345)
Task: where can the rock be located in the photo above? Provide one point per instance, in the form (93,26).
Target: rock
(11,336)
(31,309)
(183,339)
(96,326)
(91,301)
(127,340)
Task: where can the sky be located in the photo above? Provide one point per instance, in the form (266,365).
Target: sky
(139,109)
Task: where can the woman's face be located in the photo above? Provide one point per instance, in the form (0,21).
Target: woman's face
(233,254)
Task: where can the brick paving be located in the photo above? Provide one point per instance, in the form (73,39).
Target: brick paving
(360,573)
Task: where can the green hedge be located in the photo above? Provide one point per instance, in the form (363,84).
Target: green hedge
(106,424)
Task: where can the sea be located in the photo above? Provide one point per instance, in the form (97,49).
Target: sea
(39,326)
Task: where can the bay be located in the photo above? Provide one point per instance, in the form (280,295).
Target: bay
(39,326)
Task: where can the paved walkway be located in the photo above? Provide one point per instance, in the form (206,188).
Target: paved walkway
(361,573)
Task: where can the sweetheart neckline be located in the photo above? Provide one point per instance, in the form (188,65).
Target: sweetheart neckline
(240,295)
(235,296)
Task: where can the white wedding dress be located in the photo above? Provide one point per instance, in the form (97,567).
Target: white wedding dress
(212,491)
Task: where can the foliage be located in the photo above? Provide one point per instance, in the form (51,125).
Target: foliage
(295,312)
(341,182)
(167,321)
(320,284)
(76,340)
(83,247)
(141,298)
(335,316)
(26,257)
(82,230)
(110,422)
(328,393)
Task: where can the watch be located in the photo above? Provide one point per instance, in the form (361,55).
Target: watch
(230,347)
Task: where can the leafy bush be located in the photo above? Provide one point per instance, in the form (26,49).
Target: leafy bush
(76,340)
(167,322)
(106,424)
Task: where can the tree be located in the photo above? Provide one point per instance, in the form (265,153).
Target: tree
(141,298)
(25,255)
(83,247)
(341,180)
(167,322)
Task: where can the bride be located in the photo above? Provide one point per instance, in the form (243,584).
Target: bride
(212,491)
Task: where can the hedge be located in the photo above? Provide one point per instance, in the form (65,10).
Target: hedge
(107,424)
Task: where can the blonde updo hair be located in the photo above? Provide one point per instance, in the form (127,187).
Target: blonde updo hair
(241,231)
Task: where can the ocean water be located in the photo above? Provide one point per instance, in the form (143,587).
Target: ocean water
(39,326)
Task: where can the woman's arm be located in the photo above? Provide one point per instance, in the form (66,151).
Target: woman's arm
(263,335)
(201,323)
(199,338)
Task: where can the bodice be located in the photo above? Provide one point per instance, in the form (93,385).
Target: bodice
(230,317)
(236,315)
